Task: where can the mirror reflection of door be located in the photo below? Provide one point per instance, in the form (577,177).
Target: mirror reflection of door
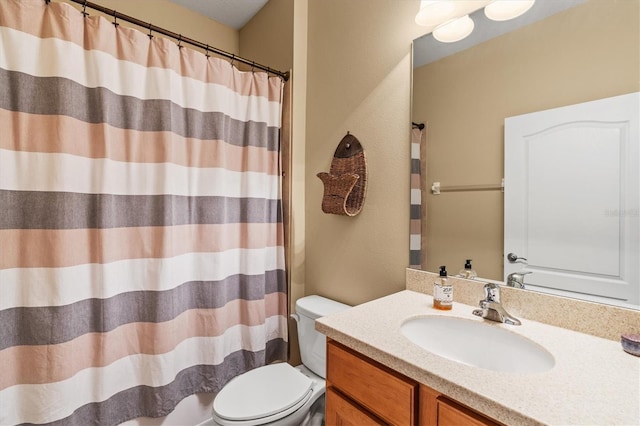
(569,170)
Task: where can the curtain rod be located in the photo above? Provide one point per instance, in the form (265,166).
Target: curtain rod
(117,15)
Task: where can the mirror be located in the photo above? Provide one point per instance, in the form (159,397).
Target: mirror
(463,92)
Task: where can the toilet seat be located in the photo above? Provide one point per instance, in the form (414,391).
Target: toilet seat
(262,395)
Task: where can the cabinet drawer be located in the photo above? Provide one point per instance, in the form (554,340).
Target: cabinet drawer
(342,412)
(386,394)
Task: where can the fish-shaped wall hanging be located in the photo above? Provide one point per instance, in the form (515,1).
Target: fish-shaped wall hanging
(345,185)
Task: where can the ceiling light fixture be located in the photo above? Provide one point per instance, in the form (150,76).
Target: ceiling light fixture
(435,12)
(503,10)
(454,30)
(444,15)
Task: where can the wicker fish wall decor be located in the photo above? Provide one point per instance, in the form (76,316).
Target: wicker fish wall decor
(345,185)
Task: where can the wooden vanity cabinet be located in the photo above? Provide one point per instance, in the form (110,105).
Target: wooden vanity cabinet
(378,392)
(363,392)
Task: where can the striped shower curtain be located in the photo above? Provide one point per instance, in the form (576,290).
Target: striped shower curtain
(141,235)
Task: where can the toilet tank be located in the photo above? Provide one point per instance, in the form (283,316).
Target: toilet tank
(313,350)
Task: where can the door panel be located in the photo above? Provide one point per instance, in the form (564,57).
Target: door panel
(572,198)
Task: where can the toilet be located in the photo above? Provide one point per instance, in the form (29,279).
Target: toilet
(280,394)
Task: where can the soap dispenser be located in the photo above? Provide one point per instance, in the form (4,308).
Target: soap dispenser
(467,272)
(442,291)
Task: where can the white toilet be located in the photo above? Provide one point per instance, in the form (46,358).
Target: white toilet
(279,394)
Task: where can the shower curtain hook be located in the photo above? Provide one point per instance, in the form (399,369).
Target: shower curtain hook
(150,35)
(115,18)
(180,42)
(253,64)
(84,9)
(206,53)
(233,58)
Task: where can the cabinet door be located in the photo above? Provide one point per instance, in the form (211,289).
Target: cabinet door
(452,414)
(383,392)
(341,412)
(438,410)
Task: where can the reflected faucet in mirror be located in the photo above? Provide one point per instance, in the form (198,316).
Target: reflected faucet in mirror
(516,279)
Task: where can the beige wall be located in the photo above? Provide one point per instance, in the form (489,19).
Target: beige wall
(585,53)
(268,37)
(352,72)
(359,78)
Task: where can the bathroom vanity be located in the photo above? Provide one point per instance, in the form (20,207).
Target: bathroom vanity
(376,375)
(361,391)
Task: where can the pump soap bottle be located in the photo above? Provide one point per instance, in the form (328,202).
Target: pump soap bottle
(468,271)
(442,291)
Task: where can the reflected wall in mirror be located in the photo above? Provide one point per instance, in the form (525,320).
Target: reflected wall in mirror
(589,51)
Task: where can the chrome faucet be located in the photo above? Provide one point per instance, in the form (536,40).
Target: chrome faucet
(490,307)
(516,279)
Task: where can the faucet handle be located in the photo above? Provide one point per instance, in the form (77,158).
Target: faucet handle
(492,292)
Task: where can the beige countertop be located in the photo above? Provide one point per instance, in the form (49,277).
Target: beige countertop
(593,382)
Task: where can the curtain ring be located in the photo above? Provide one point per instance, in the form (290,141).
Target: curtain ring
(206,52)
(150,35)
(115,18)
(84,9)
(180,42)
(233,58)
(253,64)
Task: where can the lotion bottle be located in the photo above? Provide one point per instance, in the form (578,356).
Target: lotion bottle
(467,272)
(442,291)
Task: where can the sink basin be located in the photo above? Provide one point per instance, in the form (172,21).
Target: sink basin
(478,344)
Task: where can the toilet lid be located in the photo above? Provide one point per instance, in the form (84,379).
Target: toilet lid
(262,392)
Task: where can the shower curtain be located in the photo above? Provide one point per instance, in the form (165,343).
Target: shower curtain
(141,234)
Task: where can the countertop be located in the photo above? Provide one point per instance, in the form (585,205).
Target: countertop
(593,382)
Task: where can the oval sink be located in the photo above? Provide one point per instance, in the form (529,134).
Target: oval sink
(478,344)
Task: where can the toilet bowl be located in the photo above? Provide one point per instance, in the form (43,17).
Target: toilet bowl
(280,394)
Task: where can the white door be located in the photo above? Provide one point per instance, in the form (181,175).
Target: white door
(572,199)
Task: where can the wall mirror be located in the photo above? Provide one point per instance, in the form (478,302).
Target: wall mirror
(583,51)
